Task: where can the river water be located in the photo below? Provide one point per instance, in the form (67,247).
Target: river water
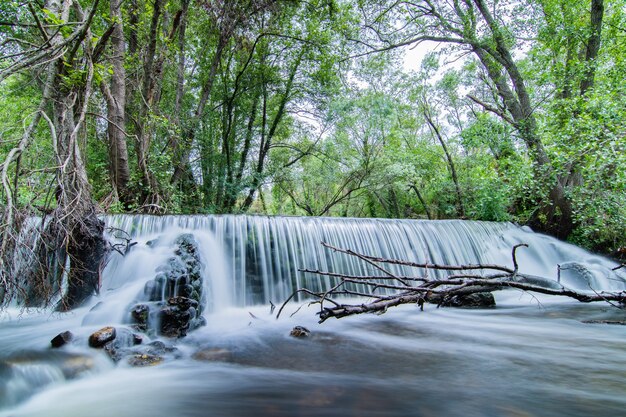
(529,356)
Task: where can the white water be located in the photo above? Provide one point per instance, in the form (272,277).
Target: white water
(529,356)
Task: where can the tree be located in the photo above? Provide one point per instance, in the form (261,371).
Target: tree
(73,235)
(478,28)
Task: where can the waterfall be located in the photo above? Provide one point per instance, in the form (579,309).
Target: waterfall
(562,359)
(257,259)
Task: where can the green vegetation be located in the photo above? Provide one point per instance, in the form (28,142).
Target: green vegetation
(516,111)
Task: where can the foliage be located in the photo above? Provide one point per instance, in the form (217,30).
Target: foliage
(310,108)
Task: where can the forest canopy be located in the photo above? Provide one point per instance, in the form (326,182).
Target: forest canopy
(491,110)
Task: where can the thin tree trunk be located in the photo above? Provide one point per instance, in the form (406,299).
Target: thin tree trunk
(116,107)
(181,164)
(593,45)
(266,144)
(421,199)
(455,179)
(150,195)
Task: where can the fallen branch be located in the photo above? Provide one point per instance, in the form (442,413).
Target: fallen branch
(461,281)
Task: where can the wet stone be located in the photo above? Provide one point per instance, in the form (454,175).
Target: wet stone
(479,299)
(183,303)
(140,315)
(300,332)
(174,322)
(62,339)
(213,355)
(185,290)
(137,339)
(144,359)
(159,348)
(102,337)
(173,301)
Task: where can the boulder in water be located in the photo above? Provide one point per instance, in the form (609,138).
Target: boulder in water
(477,299)
(174,321)
(103,336)
(140,315)
(123,344)
(75,365)
(62,339)
(213,355)
(144,359)
(300,332)
(173,301)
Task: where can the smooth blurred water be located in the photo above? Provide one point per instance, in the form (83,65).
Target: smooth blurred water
(529,356)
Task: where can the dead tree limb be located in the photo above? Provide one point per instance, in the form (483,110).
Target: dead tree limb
(461,281)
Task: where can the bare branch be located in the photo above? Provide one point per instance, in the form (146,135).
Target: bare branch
(418,290)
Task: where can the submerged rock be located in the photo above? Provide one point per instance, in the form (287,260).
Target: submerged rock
(75,365)
(140,315)
(174,322)
(213,355)
(478,299)
(300,332)
(62,339)
(122,345)
(145,359)
(103,336)
(614,322)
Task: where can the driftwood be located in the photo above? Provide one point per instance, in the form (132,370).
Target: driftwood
(461,280)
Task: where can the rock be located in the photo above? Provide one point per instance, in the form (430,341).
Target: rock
(145,359)
(102,337)
(62,339)
(130,346)
(174,322)
(123,345)
(159,348)
(185,290)
(478,299)
(300,332)
(137,339)
(172,302)
(74,366)
(213,355)
(140,315)
(615,322)
(183,303)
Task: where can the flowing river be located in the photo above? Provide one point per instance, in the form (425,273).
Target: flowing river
(529,356)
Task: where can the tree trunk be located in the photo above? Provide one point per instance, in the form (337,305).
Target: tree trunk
(266,142)
(554,216)
(593,45)
(150,195)
(460,208)
(421,199)
(75,218)
(115,96)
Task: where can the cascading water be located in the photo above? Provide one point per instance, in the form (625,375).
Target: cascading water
(451,362)
(257,259)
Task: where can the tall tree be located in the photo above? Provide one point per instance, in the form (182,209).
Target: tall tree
(74,235)
(479,27)
(115,96)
